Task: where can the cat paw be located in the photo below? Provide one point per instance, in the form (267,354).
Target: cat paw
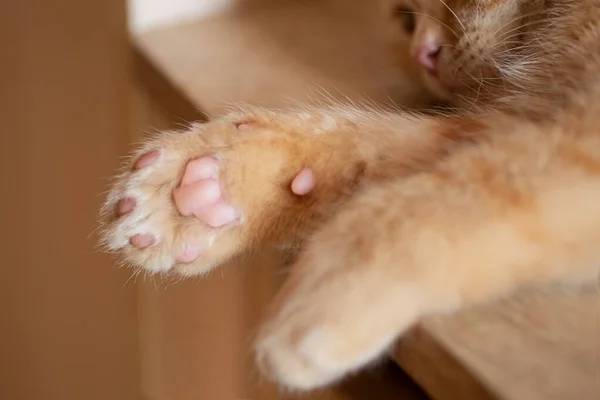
(332,317)
(169,212)
(183,205)
(357,285)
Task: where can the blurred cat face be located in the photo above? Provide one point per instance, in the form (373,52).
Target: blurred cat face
(462,49)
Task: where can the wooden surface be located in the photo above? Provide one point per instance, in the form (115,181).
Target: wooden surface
(536,345)
(540,345)
(68,323)
(270,56)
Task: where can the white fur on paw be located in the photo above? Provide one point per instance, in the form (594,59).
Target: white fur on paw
(155,216)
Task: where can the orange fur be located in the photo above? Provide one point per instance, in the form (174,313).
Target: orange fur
(412,215)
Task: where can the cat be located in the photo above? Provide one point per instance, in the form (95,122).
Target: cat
(399,215)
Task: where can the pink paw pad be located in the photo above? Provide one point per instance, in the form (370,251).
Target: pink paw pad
(304,182)
(190,253)
(146,160)
(243,125)
(200,194)
(125,206)
(142,241)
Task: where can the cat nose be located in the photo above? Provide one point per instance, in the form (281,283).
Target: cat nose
(427,56)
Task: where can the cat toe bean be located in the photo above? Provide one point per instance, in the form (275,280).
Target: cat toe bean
(146,159)
(125,206)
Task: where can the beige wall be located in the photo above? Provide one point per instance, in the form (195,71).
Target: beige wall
(67,322)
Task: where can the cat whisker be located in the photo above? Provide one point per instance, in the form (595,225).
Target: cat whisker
(133,277)
(473,104)
(532,14)
(462,26)
(509,37)
(517,28)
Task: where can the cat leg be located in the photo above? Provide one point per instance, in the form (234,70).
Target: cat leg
(189,201)
(515,210)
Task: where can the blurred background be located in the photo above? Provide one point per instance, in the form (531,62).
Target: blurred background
(83,80)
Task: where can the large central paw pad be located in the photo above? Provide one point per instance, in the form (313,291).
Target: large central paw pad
(200,194)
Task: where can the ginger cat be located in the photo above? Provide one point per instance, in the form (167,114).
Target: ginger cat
(399,216)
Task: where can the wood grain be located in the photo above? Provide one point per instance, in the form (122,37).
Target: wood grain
(542,344)
(68,323)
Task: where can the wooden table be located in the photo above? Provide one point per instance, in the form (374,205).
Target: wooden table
(534,346)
